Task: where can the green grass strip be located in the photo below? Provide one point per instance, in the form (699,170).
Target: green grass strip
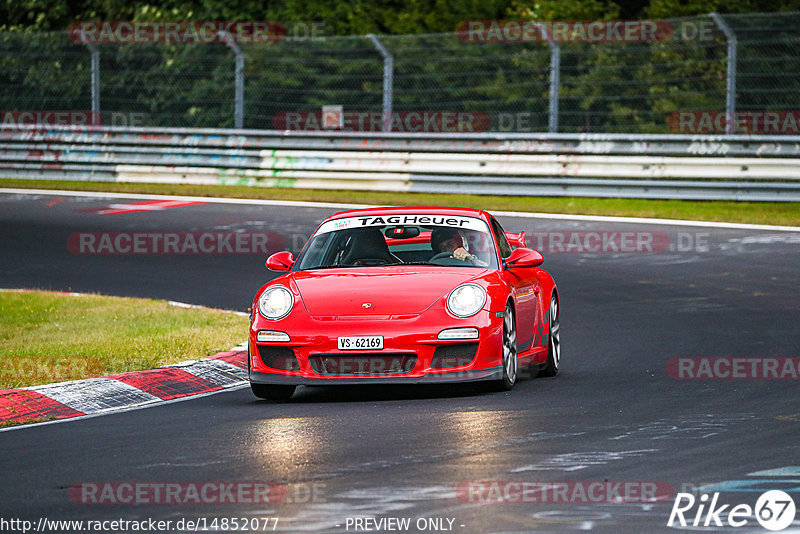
(51,337)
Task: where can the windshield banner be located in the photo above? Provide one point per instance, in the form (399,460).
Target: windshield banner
(403,219)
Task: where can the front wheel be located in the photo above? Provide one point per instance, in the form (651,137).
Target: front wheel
(554,341)
(509,361)
(272,392)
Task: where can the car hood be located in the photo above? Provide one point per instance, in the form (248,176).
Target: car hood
(387,290)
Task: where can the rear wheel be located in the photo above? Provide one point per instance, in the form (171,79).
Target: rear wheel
(272,392)
(554,342)
(509,347)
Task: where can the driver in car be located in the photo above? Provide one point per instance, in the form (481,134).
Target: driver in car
(450,240)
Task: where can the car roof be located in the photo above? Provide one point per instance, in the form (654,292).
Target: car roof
(424,210)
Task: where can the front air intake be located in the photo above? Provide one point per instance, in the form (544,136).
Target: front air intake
(281,358)
(454,355)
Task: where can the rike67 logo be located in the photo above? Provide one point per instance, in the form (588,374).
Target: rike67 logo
(774,510)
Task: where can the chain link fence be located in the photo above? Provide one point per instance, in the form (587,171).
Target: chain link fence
(678,82)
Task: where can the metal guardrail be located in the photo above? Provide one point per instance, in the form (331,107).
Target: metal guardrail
(605,165)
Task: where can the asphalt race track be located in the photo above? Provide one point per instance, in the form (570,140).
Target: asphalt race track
(614,413)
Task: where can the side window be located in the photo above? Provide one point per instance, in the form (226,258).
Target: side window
(500,236)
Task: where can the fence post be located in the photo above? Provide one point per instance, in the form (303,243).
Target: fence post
(388,81)
(95,55)
(238,113)
(555,77)
(730,97)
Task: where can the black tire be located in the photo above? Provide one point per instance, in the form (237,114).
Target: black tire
(509,351)
(272,392)
(553,341)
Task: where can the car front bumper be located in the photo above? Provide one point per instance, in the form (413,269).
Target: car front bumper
(412,352)
(446,377)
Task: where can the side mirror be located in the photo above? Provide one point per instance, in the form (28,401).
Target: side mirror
(524,257)
(280,261)
(516,239)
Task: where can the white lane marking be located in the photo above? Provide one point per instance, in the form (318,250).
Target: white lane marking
(788,471)
(766,239)
(575,461)
(94,395)
(307,204)
(199,307)
(690,427)
(61,293)
(644,220)
(216,200)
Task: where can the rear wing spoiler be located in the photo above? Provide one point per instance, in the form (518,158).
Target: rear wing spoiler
(516,239)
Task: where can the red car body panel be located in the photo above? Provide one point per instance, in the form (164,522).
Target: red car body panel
(407,306)
(343,291)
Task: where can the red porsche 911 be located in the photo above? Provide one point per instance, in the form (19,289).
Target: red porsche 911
(404,295)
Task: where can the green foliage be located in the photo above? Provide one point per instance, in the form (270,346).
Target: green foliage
(604,87)
(685,8)
(359,17)
(560,10)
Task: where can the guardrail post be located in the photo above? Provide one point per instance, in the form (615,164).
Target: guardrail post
(238,113)
(95,54)
(555,77)
(388,81)
(730,97)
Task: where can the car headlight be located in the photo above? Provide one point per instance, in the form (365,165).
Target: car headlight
(466,300)
(275,302)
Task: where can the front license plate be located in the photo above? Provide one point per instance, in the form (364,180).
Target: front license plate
(361,343)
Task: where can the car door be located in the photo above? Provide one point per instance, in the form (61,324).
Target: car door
(525,291)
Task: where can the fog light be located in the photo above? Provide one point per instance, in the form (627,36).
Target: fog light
(459,333)
(272,335)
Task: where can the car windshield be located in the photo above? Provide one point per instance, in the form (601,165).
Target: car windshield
(404,239)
